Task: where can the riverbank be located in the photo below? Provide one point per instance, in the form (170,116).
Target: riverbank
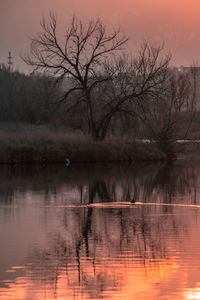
(56,147)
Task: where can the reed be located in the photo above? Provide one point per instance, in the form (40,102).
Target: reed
(55,147)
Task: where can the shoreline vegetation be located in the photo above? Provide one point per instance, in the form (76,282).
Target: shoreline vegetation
(24,144)
(56,147)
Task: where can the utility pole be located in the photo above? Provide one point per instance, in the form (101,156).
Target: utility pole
(10,62)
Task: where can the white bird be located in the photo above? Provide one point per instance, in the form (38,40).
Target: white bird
(67,161)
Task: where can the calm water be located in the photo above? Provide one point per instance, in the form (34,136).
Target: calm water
(106,232)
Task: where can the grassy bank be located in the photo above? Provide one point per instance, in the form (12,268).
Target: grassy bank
(55,147)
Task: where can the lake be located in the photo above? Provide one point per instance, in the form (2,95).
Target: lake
(100,232)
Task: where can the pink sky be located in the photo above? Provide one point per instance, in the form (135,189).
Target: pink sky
(176,22)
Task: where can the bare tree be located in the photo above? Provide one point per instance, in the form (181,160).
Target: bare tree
(136,82)
(89,59)
(79,57)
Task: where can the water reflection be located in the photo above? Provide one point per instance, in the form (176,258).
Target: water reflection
(59,243)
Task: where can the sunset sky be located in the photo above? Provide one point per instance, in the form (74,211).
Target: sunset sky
(176,22)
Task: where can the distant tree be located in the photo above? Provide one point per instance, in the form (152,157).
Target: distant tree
(88,60)
(174,110)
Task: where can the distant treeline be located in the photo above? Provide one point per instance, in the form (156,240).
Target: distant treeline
(35,99)
(25,98)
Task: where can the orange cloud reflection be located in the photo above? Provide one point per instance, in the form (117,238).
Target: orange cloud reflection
(121,279)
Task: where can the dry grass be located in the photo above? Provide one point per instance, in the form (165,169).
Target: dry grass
(55,147)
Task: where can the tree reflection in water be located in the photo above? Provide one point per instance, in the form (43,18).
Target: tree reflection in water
(93,246)
(93,251)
